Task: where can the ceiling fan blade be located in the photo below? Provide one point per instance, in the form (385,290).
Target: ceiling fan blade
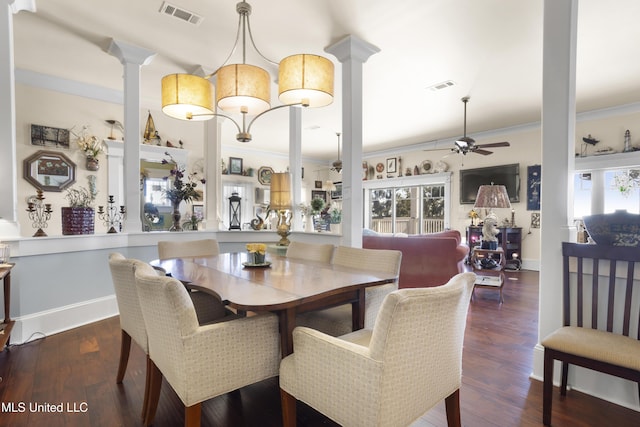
(437,149)
(483,152)
(494,144)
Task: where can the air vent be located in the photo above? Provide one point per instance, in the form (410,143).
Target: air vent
(440,86)
(182,14)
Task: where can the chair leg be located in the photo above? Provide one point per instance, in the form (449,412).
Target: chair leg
(565,376)
(288,409)
(192,415)
(125,347)
(547,389)
(452,406)
(147,387)
(155,384)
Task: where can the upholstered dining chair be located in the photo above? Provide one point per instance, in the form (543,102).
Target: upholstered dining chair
(337,321)
(188,249)
(310,251)
(208,307)
(131,320)
(389,375)
(201,362)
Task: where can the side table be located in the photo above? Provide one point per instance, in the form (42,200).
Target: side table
(492,277)
(7,323)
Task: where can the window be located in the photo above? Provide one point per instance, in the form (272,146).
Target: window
(605,191)
(414,205)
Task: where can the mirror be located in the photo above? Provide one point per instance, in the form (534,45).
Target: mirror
(157,211)
(49,170)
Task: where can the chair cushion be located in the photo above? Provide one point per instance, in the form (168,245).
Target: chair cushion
(597,345)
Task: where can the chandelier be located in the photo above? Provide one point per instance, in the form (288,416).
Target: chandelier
(303,80)
(337,164)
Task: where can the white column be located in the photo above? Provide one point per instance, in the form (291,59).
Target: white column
(9,226)
(352,52)
(295,164)
(213,202)
(132,58)
(558,140)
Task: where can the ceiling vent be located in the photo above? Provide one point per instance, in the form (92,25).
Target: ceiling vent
(182,14)
(440,86)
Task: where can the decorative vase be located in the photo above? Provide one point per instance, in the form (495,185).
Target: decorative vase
(176,215)
(77,221)
(308,226)
(92,164)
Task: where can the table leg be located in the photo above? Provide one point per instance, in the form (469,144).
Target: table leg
(287,319)
(7,297)
(357,311)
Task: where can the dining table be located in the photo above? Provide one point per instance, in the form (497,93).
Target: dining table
(284,286)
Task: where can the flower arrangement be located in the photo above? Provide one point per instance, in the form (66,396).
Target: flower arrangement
(336,215)
(259,248)
(317,205)
(192,221)
(83,197)
(90,145)
(181,190)
(473,215)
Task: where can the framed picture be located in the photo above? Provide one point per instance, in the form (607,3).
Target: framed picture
(337,193)
(198,210)
(392,165)
(235,166)
(49,137)
(264,175)
(319,194)
(317,184)
(533,187)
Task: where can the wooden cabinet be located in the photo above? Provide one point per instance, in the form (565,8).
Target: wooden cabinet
(509,239)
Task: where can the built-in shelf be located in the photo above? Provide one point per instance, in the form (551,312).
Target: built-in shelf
(608,161)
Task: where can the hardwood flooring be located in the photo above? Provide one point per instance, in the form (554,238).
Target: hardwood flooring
(77,369)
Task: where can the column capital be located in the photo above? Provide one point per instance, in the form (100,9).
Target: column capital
(19,5)
(352,47)
(130,54)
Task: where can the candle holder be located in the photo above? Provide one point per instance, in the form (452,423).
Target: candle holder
(112,217)
(39,213)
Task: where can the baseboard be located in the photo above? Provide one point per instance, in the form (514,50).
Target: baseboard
(44,323)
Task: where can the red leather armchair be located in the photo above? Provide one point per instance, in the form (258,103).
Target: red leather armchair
(427,259)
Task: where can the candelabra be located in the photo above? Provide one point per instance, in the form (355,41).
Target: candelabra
(112,216)
(39,213)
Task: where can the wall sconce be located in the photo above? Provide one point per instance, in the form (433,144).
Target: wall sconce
(112,216)
(281,203)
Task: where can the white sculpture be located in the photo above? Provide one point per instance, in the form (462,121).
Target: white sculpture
(490,228)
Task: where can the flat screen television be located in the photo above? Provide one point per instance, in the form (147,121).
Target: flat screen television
(472,179)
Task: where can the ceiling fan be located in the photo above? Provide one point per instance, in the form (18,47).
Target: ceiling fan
(467,144)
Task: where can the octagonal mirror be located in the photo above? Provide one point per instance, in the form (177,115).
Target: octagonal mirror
(49,170)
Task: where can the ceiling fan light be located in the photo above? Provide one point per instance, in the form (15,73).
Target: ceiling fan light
(187,97)
(306,79)
(243,88)
(463,143)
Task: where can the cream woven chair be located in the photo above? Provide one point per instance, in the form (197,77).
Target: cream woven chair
(201,362)
(337,321)
(388,376)
(310,251)
(207,306)
(188,249)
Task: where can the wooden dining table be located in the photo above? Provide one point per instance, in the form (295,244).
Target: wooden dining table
(285,287)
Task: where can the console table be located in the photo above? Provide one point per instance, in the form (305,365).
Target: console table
(7,323)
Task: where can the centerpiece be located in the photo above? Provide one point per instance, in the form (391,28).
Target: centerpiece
(181,190)
(257,254)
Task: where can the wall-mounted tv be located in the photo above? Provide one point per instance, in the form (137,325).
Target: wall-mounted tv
(507,175)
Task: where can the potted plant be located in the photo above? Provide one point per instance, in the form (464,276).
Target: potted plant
(79,216)
(317,205)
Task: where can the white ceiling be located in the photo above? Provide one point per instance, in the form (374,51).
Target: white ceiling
(491,49)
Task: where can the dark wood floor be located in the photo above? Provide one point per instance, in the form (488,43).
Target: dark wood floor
(78,368)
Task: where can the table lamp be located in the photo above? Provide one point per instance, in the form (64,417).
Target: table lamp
(281,203)
(491,197)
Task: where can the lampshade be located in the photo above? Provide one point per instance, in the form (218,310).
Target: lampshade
(280,191)
(492,196)
(306,79)
(187,97)
(243,88)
